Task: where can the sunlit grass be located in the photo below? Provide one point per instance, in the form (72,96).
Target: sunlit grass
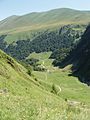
(24,98)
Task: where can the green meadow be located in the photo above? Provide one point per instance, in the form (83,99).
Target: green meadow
(50,95)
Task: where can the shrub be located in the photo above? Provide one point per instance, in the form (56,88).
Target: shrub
(29,72)
(55,89)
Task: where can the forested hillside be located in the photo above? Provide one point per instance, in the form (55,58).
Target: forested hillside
(62,39)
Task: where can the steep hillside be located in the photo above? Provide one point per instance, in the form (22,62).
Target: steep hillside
(21,97)
(11,72)
(80,59)
(83,60)
(34,98)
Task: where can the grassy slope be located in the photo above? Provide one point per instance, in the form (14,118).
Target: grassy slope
(71,87)
(21,97)
(67,87)
(63,15)
(18,27)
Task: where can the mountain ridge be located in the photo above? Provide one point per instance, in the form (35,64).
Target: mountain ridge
(61,16)
(46,11)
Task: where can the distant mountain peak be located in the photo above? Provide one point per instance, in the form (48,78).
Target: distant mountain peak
(60,16)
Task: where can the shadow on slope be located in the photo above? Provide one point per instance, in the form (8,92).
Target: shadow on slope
(80,58)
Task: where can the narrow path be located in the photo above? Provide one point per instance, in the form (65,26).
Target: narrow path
(59,89)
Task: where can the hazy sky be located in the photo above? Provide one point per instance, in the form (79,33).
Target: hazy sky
(20,7)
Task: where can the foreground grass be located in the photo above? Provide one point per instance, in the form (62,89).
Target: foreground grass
(23,97)
(29,108)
